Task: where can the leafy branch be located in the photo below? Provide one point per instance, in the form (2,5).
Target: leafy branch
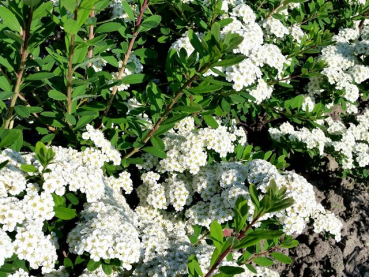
(126,57)
(26,34)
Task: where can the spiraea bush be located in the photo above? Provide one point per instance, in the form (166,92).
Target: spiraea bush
(153,138)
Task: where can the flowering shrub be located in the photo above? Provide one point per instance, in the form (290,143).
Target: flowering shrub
(151,138)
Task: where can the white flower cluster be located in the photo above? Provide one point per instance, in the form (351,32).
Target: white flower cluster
(108,230)
(107,150)
(165,236)
(186,148)
(294,218)
(258,54)
(6,247)
(70,170)
(345,68)
(133,66)
(220,185)
(351,142)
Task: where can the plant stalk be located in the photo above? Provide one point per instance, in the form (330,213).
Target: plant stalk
(70,66)
(24,54)
(168,109)
(91,36)
(229,249)
(126,57)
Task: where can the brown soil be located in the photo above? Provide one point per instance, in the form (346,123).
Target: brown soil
(319,256)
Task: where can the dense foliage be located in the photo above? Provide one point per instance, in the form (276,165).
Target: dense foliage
(153,138)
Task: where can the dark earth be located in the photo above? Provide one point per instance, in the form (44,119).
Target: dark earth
(321,256)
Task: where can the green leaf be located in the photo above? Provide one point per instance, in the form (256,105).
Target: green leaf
(246,242)
(289,244)
(72,198)
(9,19)
(83,121)
(229,61)
(58,200)
(281,205)
(193,266)
(164,128)
(240,213)
(134,79)
(71,26)
(262,261)
(146,53)
(84,11)
(109,27)
(6,95)
(22,111)
(68,263)
(231,270)
(281,257)
(251,268)
(285,85)
(266,234)
(70,5)
(214,257)
(92,265)
(14,36)
(4,62)
(8,137)
(254,195)
(155,151)
(108,269)
(29,168)
(39,76)
(128,10)
(210,121)
(79,260)
(3,164)
(196,43)
(189,109)
(43,10)
(4,84)
(70,119)
(216,234)
(64,213)
(149,23)
(56,95)
(196,232)
(205,89)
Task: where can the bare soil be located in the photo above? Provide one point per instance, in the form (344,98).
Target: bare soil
(320,256)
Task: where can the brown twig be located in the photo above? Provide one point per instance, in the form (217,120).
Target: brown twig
(126,57)
(362,21)
(229,249)
(24,54)
(91,36)
(275,9)
(284,79)
(70,66)
(164,115)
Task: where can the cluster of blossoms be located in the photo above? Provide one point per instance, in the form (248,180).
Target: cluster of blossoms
(107,230)
(25,205)
(352,143)
(220,185)
(167,246)
(217,187)
(258,52)
(345,69)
